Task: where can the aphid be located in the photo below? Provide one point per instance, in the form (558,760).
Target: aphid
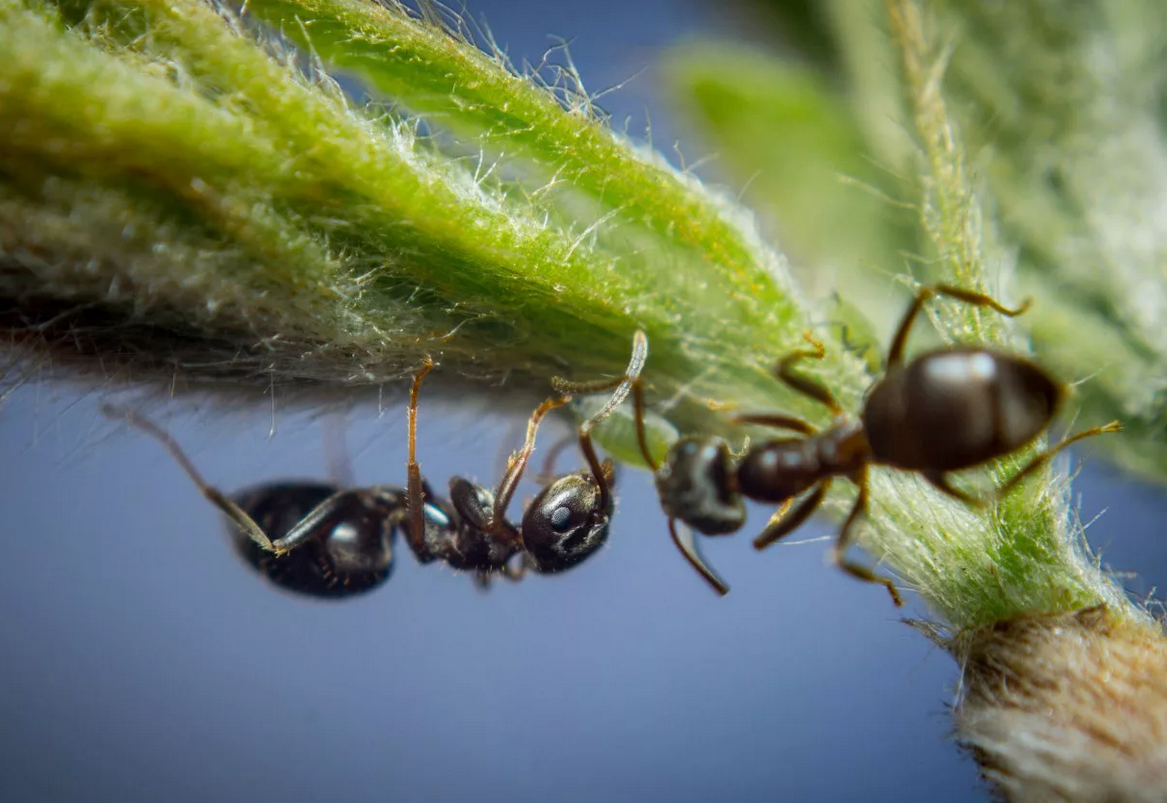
(334,542)
(943,411)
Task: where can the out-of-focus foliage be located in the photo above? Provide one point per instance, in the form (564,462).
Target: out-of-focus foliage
(1059,107)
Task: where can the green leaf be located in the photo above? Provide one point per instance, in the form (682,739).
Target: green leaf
(784,134)
(186,196)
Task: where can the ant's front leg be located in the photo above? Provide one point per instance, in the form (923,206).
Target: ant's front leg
(630,382)
(804,385)
(511,572)
(895,354)
(514,572)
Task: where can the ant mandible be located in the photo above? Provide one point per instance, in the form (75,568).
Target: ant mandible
(335,542)
(945,410)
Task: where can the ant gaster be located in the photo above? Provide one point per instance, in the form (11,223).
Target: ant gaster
(945,410)
(333,542)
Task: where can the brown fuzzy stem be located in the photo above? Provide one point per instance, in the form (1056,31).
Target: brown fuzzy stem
(1067,707)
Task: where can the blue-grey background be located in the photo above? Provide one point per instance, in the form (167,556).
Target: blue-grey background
(139,660)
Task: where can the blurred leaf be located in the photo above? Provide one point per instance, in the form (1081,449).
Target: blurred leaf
(781,132)
(1061,106)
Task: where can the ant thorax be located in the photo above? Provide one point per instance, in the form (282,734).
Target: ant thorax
(781,469)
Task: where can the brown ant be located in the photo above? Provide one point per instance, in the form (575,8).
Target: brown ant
(333,542)
(945,410)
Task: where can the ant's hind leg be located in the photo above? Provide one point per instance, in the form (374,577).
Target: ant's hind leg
(683,538)
(896,353)
(838,552)
(781,525)
(777,421)
(237,515)
(804,385)
(1046,455)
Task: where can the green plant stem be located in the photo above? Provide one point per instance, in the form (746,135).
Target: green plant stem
(191,195)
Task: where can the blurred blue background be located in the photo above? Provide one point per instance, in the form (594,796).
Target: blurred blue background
(143,661)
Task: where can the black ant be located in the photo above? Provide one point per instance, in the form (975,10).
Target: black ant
(945,410)
(336,542)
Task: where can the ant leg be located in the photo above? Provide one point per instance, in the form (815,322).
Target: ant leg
(780,526)
(319,520)
(547,473)
(629,383)
(801,384)
(513,572)
(777,421)
(896,353)
(216,497)
(641,433)
(600,471)
(683,538)
(502,458)
(567,387)
(415,487)
(939,480)
(518,464)
(1045,456)
(838,551)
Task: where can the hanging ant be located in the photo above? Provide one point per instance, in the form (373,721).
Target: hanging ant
(945,410)
(334,542)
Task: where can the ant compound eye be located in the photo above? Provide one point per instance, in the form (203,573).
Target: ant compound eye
(561,519)
(564,524)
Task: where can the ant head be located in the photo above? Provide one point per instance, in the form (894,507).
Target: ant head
(696,485)
(565,523)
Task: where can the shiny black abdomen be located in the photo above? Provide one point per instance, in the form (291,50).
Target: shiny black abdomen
(957,408)
(308,569)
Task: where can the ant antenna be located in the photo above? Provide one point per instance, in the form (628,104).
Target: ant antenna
(514,473)
(628,383)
